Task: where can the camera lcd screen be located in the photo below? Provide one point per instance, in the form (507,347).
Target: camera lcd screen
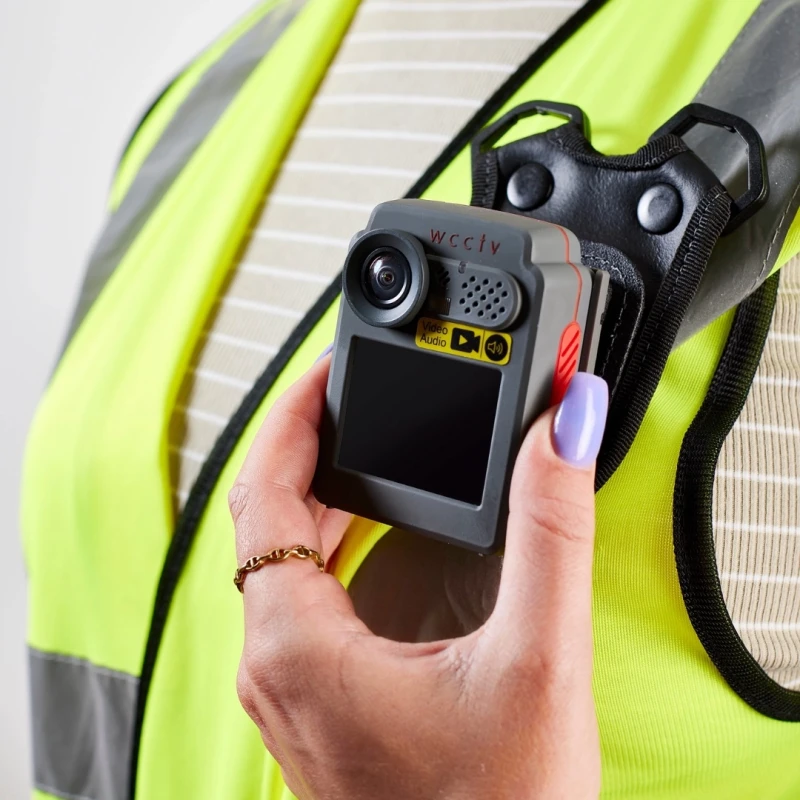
(419,419)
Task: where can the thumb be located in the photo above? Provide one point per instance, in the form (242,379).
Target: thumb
(545,589)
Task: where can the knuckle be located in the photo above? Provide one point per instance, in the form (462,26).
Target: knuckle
(239,501)
(265,664)
(244,690)
(268,684)
(279,667)
(569,518)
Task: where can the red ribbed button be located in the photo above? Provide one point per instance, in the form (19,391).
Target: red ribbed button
(569,351)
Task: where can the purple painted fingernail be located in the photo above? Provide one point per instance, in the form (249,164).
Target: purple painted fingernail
(581,419)
(324,352)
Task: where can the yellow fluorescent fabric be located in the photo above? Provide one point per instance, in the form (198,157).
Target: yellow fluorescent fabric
(116,384)
(669,722)
(670,726)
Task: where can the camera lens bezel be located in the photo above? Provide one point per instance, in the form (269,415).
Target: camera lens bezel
(362,252)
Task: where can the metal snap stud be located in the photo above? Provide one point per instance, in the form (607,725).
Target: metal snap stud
(660,208)
(529,186)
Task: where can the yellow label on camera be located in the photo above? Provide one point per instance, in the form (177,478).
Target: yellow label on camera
(463,340)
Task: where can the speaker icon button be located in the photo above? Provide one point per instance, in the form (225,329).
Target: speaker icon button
(495,347)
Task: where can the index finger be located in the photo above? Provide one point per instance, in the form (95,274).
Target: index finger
(267,503)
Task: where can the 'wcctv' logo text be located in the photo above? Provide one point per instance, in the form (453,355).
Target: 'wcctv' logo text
(456,241)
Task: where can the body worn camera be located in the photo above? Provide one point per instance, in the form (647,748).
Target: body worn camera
(457,327)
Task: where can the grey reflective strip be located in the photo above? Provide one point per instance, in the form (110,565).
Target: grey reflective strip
(758,79)
(82,719)
(196,116)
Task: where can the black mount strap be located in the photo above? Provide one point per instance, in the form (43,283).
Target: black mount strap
(650,219)
(639,204)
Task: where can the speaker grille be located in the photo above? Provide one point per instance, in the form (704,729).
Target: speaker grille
(480,295)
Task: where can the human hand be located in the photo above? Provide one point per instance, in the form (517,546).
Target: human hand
(506,712)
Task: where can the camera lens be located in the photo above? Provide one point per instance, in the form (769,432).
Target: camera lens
(386,277)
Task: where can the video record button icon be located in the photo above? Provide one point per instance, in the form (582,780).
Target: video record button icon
(465,341)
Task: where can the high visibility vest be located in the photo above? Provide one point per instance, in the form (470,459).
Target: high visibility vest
(135,627)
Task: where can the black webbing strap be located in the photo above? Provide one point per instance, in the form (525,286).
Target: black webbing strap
(693,517)
(484,179)
(650,219)
(652,346)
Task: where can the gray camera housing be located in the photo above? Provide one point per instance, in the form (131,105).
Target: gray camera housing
(545,292)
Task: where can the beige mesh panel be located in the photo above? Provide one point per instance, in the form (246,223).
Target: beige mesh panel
(757,499)
(407,77)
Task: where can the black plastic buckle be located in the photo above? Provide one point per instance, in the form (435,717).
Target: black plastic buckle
(744,206)
(490,136)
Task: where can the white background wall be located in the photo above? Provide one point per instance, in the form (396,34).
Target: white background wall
(74,77)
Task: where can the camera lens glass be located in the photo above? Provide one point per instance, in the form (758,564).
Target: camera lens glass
(387,277)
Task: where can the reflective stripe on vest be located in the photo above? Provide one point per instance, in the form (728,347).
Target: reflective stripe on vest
(191,124)
(82,726)
(115,387)
(759,80)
